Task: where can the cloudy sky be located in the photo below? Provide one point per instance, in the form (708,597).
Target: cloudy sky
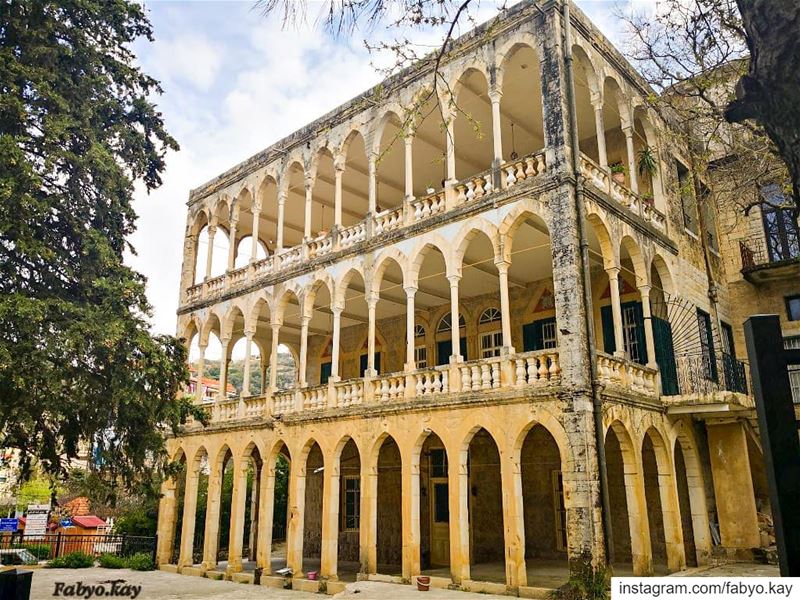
(234,83)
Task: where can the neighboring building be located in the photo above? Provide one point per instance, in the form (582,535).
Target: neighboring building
(454,379)
(210,387)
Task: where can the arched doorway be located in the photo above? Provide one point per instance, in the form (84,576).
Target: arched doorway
(389,533)
(487,541)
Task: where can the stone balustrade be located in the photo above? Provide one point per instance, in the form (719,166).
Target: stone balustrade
(349,392)
(431,381)
(411,212)
(479,375)
(283,402)
(626,374)
(599,177)
(314,398)
(518,170)
(538,368)
(389,387)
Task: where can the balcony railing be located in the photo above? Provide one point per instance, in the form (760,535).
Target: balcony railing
(415,211)
(625,374)
(698,375)
(754,253)
(539,370)
(600,178)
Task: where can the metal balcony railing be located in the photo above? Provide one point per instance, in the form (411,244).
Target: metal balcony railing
(702,374)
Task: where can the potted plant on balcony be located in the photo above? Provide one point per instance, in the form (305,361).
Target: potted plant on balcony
(648,200)
(647,162)
(618,171)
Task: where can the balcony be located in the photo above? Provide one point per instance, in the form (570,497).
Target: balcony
(628,201)
(379,228)
(763,263)
(701,386)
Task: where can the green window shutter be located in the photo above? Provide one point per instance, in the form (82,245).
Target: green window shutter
(363,363)
(665,356)
(443,352)
(640,336)
(325,372)
(462,344)
(609,343)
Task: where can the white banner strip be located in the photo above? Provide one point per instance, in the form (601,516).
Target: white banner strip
(707,588)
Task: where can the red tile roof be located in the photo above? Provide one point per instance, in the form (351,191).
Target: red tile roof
(88,521)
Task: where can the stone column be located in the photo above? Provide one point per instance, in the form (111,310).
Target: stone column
(671,514)
(458,496)
(273,357)
(644,290)
(733,485)
(368,525)
(264,366)
(600,128)
(224,363)
(505,303)
(189,511)
(455,331)
(212,232)
(256,224)
(189,266)
(372,304)
(616,310)
(265,516)
(281,212)
(373,184)
(639,526)
(409,166)
(201,360)
(495,95)
(232,245)
(628,131)
(213,501)
(303,366)
(294,529)
(167,521)
(246,374)
(513,521)
(411,363)
(309,185)
(450,148)
(409,492)
(238,499)
(337,327)
(337,192)
(330,520)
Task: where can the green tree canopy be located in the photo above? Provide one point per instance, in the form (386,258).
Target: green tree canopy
(79,368)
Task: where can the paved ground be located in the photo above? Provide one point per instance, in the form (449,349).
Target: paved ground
(168,586)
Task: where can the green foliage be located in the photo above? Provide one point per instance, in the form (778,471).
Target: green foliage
(73,560)
(39,550)
(78,366)
(37,490)
(647,162)
(286,372)
(586,583)
(618,168)
(112,561)
(141,561)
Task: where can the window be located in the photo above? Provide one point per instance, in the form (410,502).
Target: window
(419,330)
(560,510)
(793,343)
(438,464)
(539,335)
(490,315)
(707,345)
(351,501)
(780,229)
(446,323)
(793,307)
(630,332)
(686,192)
(728,346)
(421,356)
(491,343)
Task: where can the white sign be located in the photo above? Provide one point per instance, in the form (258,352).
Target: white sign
(36,519)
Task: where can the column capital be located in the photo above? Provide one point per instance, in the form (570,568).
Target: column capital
(304,319)
(411,290)
(502,264)
(453,279)
(282,195)
(372,298)
(495,95)
(644,289)
(249,334)
(339,164)
(225,340)
(212,228)
(256,205)
(308,182)
(613,272)
(337,308)
(627,129)
(202,346)
(276,325)
(596,99)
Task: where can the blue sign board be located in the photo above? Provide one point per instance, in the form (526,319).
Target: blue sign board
(66,522)
(8,524)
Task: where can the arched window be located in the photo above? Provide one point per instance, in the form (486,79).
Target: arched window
(419,330)
(446,324)
(490,315)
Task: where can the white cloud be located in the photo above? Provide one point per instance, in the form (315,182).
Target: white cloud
(187,58)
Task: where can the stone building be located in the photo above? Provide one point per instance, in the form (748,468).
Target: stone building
(508,356)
